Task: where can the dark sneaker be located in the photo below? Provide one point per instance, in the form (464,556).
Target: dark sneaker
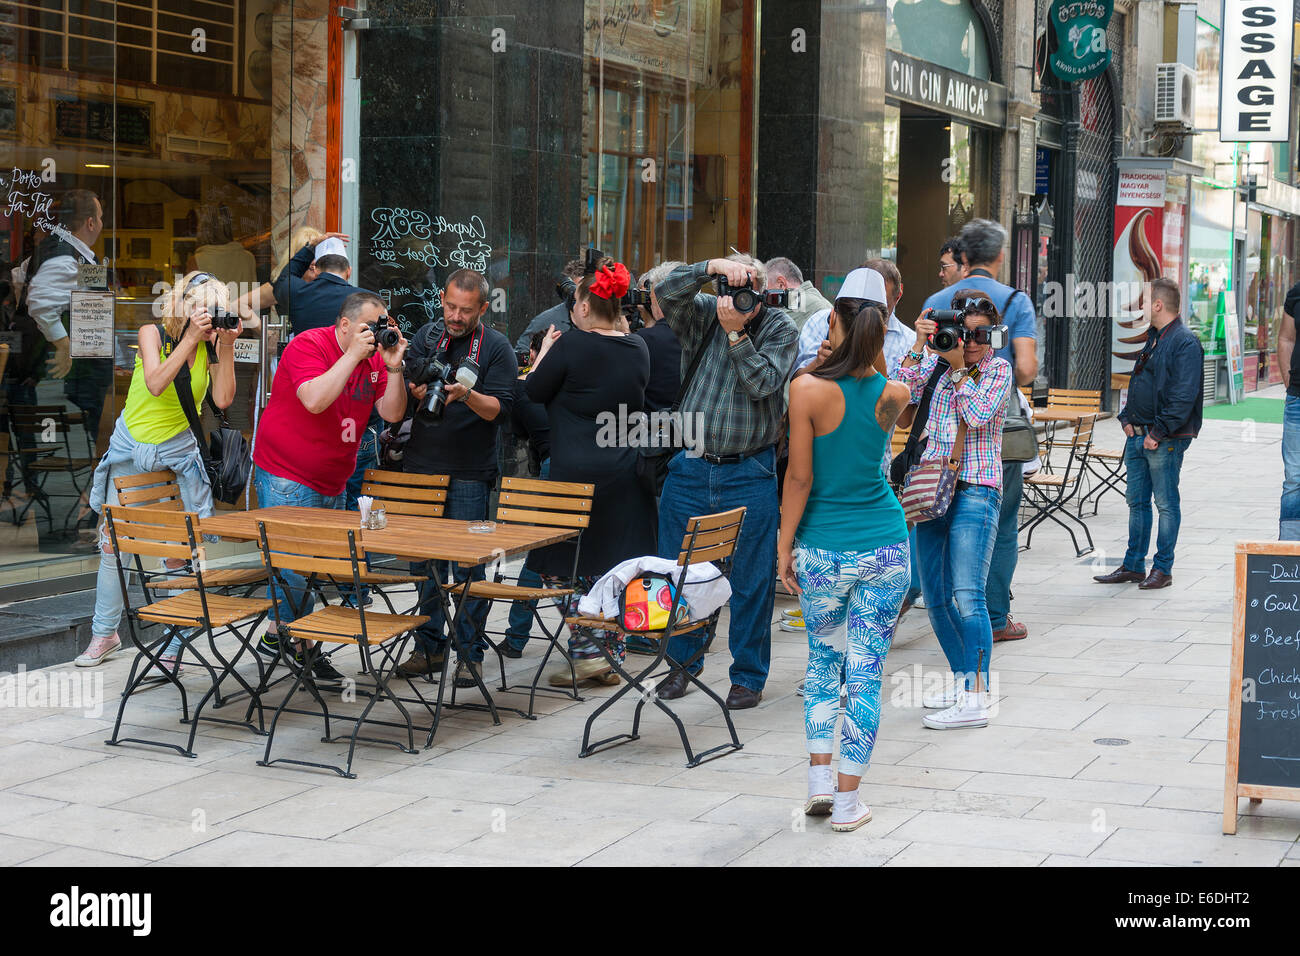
(269,646)
(509,650)
(323,670)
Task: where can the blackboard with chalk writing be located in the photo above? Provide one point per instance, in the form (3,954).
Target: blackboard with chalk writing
(1270,708)
(1263,740)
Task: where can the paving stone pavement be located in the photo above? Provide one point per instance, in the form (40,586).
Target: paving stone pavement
(1034,788)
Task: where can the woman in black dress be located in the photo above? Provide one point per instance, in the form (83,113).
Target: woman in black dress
(590,382)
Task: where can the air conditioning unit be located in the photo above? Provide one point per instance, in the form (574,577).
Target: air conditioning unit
(1175,94)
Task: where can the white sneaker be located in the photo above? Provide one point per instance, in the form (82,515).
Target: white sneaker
(940,701)
(971,710)
(794,624)
(821,792)
(849,812)
(919,602)
(100,650)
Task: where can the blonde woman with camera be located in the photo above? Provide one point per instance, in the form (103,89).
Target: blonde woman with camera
(153,432)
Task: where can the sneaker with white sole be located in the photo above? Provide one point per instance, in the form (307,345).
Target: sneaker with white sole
(941,700)
(971,710)
(821,792)
(794,624)
(100,650)
(849,812)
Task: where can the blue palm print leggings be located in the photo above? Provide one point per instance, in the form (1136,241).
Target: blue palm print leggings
(863,590)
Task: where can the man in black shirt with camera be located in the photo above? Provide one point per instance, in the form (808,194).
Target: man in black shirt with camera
(465,373)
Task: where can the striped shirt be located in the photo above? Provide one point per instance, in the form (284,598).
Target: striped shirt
(737,389)
(981,400)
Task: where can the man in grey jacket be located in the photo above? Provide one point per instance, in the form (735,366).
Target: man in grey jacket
(784,274)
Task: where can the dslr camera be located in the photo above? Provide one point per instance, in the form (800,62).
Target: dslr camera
(226,321)
(437,373)
(386,337)
(952,331)
(746,299)
(566,288)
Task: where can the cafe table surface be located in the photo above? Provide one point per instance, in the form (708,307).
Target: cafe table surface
(420,539)
(439,539)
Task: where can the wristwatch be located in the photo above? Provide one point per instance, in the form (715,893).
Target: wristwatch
(734,337)
(958,375)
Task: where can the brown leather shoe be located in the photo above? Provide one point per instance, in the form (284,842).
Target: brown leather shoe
(742,698)
(1156,580)
(1011,631)
(672,688)
(1120,575)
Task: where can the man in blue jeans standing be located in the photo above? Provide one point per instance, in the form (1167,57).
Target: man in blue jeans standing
(1161,418)
(984,246)
(458,438)
(1289,522)
(732,408)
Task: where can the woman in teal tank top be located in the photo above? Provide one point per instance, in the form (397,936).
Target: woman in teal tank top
(843,547)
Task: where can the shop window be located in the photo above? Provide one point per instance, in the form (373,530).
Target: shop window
(664,131)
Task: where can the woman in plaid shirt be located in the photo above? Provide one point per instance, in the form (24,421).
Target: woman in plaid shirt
(954,551)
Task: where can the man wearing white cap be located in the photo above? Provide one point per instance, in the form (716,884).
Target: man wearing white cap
(859,284)
(315,304)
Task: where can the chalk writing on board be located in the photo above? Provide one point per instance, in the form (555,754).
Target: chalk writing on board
(402,233)
(25,198)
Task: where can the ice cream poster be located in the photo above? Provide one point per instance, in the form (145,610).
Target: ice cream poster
(1139,233)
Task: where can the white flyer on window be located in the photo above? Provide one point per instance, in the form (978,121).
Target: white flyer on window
(90,325)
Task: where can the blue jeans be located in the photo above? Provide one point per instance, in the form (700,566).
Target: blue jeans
(1289,524)
(521,612)
(955,553)
(466,501)
(913,589)
(1006,547)
(1153,473)
(273,491)
(693,488)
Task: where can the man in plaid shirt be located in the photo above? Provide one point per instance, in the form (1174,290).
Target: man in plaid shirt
(736,398)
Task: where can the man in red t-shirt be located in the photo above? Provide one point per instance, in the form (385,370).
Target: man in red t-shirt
(327,382)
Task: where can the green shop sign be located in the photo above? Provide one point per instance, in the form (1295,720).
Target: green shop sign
(1081,38)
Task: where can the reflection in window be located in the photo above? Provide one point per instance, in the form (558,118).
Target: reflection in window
(946,32)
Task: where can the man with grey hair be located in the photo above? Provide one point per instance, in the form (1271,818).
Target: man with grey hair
(984,244)
(806,300)
(736,397)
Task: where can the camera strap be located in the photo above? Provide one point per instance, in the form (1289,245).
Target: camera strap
(475,344)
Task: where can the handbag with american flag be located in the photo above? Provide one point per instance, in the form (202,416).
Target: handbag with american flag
(928,490)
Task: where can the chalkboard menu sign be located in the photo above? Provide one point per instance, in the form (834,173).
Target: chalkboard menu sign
(102,121)
(1263,755)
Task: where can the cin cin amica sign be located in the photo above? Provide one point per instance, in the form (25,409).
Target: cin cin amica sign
(1255,71)
(928,84)
(1081,50)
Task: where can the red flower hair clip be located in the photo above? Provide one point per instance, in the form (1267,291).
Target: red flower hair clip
(611,283)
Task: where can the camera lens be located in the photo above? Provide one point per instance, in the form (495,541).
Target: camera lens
(745,300)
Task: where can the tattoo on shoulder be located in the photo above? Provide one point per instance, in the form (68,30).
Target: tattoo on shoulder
(891,405)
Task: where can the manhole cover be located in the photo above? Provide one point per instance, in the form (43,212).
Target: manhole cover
(1111,741)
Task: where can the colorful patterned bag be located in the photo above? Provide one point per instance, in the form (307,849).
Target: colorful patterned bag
(645,603)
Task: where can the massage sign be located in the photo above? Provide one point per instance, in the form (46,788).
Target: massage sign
(1255,71)
(1081,49)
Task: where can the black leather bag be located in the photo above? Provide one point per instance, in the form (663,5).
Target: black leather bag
(227,458)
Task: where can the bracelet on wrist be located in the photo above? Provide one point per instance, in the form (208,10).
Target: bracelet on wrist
(919,356)
(393,370)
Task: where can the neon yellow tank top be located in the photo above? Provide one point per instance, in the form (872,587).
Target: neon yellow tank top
(152,420)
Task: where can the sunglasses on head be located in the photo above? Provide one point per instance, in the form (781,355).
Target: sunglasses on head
(199,279)
(977,305)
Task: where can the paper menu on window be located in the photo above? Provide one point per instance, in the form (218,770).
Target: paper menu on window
(90,325)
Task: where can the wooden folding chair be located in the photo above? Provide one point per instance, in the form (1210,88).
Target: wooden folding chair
(166,533)
(45,449)
(546,504)
(1084,399)
(333,553)
(159,490)
(711,538)
(1106,466)
(399,493)
(1049,496)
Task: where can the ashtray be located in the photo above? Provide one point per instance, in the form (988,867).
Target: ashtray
(481,527)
